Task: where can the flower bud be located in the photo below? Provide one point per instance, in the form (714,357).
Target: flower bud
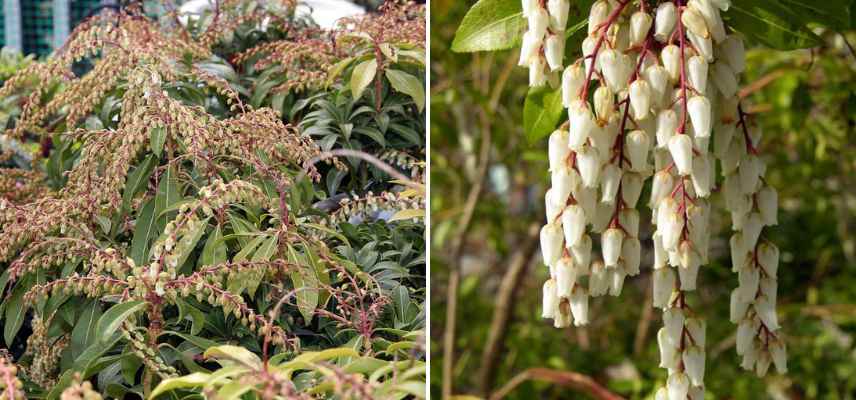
(603,138)
(640,99)
(666,18)
(769,288)
(671,56)
(581,253)
(631,253)
(667,125)
(616,277)
(573,224)
(529,48)
(752,230)
(711,18)
(631,188)
(553,205)
(668,349)
(732,157)
(588,163)
(558,11)
(573,79)
(694,22)
(564,180)
(689,266)
(703,45)
(616,69)
(678,386)
(538,21)
(597,16)
(673,322)
(693,358)
(554,50)
(610,180)
(768,257)
(725,79)
(557,149)
(658,78)
(611,242)
(598,280)
(697,69)
(603,216)
(660,253)
(750,357)
(664,283)
(739,306)
(551,243)
(722,138)
(698,108)
(629,220)
(579,307)
(638,143)
(549,300)
(581,124)
(640,24)
(681,149)
(745,336)
(748,278)
(566,277)
(587,199)
(766,310)
(604,103)
(733,53)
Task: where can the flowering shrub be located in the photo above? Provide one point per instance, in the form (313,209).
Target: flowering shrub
(170,219)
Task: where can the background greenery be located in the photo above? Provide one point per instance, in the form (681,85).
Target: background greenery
(803,101)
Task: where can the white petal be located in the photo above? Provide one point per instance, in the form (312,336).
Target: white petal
(738,307)
(553,205)
(678,386)
(629,220)
(699,110)
(564,180)
(581,124)
(703,45)
(766,310)
(573,79)
(671,56)
(551,243)
(694,22)
(597,16)
(734,53)
(662,187)
(558,10)
(697,329)
(668,349)
(529,48)
(631,188)
(693,358)
(779,354)
(745,336)
(673,321)
(631,253)
(748,278)
(701,175)
(616,281)
(768,257)
(664,283)
(588,162)
(554,51)
(549,299)
(697,68)
(666,18)
(752,230)
(640,23)
(598,280)
(611,242)
(768,205)
(660,253)
(581,253)
(573,224)
(725,79)
(681,148)
(558,149)
(637,145)
(538,21)
(566,277)
(610,179)
(604,103)
(579,307)
(640,99)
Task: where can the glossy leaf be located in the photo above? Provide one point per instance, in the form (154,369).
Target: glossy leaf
(490,25)
(542,112)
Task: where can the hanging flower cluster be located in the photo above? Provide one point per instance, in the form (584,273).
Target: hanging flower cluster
(666,79)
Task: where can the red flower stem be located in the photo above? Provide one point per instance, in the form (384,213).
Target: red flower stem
(601,30)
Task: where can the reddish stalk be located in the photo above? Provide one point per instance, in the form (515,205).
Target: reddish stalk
(682,44)
(601,30)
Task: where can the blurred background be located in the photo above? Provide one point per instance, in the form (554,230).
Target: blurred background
(487,186)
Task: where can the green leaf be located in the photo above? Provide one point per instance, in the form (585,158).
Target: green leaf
(143,233)
(337,69)
(137,180)
(234,353)
(197,318)
(157,139)
(168,191)
(197,341)
(233,390)
(306,285)
(115,316)
(831,13)
(409,85)
(15,312)
(771,24)
(264,253)
(542,111)
(193,238)
(84,332)
(490,25)
(214,251)
(188,381)
(362,76)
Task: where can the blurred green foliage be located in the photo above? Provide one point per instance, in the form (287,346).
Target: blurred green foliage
(803,100)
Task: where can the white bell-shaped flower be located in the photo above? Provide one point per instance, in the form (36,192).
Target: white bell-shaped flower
(748,279)
(703,45)
(722,138)
(587,199)
(723,5)
(725,79)
(610,179)
(689,266)
(768,257)
(611,241)
(671,57)
(581,124)
(745,336)
(573,79)
(631,253)
(537,72)
(769,288)
(668,349)
(660,253)
(640,24)
(699,110)
(640,99)
(566,277)
(563,317)
(665,20)
(616,68)
(664,283)
(711,18)
(538,22)
(551,243)
(616,278)
(529,48)
(530,6)
(588,162)
(631,188)
(779,354)
(604,103)
(673,321)
(553,205)
(658,78)
(750,357)
(550,301)
(738,308)
(603,217)
(557,149)
(603,138)
(588,46)
(598,280)
(701,175)
(564,180)
(573,224)
(696,327)
(672,229)
(697,71)
(678,385)
(629,220)
(766,310)
(733,52)
(558,11)
(768,205)
(681,148)
(752,230)
(694,22)
(554,50)
(739,252)
(597,16)
(580,307)
(637,145)
(693,358)
(667,125)
(581,253)
(731,158)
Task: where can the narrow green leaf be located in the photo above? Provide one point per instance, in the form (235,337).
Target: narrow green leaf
(184,249)
(137,180)
(234,353)
(306,286)
(115,316)
(409,85)
(188,381)
(542,111)
(771,24)
(834,14)
(143,233)
(168,191)
(84,332)
(490,25)
(214,251)
(157,139)
(15,312)
(197,317)
(362,76)
(264,253)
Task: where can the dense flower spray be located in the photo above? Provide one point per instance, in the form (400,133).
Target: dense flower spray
(654,96)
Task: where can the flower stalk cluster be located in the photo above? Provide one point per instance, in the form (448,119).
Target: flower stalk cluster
(666,78)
